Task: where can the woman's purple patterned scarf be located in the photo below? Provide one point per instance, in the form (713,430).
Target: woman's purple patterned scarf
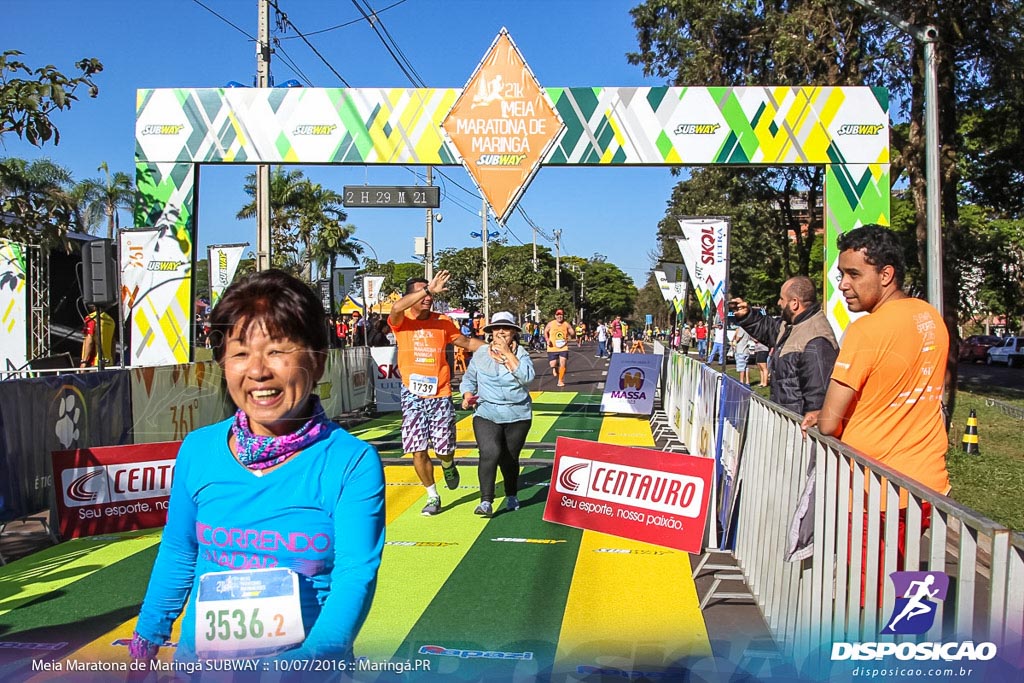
(260,452)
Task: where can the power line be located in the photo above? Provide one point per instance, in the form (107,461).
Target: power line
(290,63)
(350,23)
(226,21)
(284,17)
(402,65)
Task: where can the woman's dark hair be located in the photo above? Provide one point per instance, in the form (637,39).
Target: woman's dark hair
(881,248)
(283,303)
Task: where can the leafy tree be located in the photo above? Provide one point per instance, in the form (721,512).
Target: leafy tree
(28,99)
(37,195)
(395,274)
(284,198)
(609,291)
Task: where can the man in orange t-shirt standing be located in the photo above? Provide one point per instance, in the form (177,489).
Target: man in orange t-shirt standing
(428,416)
(885,394)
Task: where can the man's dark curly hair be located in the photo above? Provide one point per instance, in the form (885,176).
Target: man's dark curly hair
(881,248)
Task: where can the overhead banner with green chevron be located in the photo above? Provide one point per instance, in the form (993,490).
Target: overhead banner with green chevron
(845,129)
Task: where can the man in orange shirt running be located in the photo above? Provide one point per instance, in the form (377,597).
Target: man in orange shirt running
(558,334)
(428,416)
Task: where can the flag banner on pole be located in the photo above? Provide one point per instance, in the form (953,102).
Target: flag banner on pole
(341,280)
(371,289)
(156,292)
(13,304)
(223,260)
(704,246)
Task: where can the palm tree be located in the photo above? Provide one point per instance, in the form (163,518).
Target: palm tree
(283,202)
(318,212)
(104,196)
(333,242)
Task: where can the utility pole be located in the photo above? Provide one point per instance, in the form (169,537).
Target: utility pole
(928,35)
(429,241)
(487,284)
(535,304)
(263,170)
(558,258)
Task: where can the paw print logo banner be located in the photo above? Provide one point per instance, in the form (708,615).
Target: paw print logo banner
(53,414)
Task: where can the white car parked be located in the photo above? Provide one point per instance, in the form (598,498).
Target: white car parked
(1011,352)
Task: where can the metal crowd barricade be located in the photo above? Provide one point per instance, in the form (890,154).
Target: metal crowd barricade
(812,603)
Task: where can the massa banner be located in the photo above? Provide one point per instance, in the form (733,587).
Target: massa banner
(632,381)
(638,493)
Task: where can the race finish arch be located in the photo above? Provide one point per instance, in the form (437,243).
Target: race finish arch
(502,127)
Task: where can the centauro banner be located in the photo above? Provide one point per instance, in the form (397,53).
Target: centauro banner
(223,263)
(636,493)
(705,249)
(13,307)
(156,296)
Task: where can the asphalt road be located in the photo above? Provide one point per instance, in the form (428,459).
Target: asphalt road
(994,380)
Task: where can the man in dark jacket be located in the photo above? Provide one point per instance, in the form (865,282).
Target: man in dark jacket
(804,346)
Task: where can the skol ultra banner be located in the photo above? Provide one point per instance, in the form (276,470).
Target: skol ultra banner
(223,263)
(646,495)
(116,488)
(387,382)
(705,248)
(155,296)
(670,291)
(13,305)
(632,381)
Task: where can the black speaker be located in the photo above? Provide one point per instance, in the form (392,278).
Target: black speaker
(99,275)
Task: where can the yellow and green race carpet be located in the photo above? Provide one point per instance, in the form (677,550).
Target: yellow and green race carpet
(507,598)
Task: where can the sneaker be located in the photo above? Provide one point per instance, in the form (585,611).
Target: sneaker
(511,503)
(561,384)
(432,507)
(484,509)
(451,476)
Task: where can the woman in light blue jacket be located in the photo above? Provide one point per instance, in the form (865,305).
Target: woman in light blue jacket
(496,384)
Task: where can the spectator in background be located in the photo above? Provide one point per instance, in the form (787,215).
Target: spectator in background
(466,328)
(98,332)
(602,339)
(804,345)
(742,345)
(685,339)
(357,329)
(761,358)
(718,348)
(617,330)
(700,333)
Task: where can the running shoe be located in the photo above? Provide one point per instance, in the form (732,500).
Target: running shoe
(451,476)
(484,509)
(561,384)
(432,507)
(511,503)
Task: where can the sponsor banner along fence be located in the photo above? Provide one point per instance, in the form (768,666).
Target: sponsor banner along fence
(114,488)
(168,402)
(56,413)
(136,405)
(387,382)
(632,381)
(638,493)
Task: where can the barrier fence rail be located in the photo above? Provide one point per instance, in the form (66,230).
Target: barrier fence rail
(834,587)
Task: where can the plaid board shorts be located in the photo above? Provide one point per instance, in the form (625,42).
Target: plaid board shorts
(427,422)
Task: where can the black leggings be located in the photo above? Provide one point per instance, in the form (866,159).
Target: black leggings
(499,446)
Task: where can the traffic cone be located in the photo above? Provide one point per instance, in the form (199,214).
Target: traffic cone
(970,441)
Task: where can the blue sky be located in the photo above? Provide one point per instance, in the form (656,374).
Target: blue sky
(178,43)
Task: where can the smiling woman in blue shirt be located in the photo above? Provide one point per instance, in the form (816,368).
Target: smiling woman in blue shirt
(496,384)
(276,520)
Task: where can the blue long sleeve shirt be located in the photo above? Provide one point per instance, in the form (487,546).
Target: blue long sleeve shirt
(320,514)
(504,395)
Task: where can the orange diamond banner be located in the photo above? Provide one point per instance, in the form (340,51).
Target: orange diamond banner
(502,125)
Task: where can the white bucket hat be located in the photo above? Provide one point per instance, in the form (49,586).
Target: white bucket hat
(502,319)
